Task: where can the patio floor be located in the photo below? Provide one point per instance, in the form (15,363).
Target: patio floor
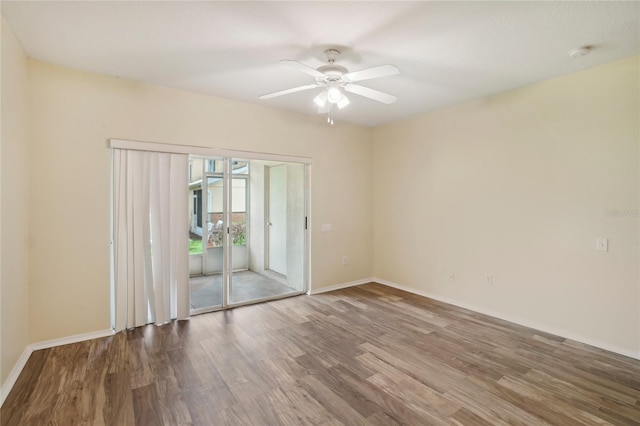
(206,291)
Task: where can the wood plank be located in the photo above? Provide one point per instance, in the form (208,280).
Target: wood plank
(118,406)
(146,406)
(331,402)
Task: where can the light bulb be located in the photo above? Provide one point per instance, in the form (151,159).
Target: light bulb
(334,95)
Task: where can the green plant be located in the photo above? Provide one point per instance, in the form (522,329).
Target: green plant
(238,235)
(195,246)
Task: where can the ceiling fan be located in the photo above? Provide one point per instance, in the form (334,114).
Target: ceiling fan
(336,80)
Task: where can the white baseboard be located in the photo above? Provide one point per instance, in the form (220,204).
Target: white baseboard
(513,319)
(15,372)
(22,361)
(71,339)
(340,286)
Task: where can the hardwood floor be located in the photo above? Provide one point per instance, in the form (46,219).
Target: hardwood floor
(358,356)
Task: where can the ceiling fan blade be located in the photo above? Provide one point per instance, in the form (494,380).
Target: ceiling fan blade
(287,91)
(302,67)
(369,73)
(376,95)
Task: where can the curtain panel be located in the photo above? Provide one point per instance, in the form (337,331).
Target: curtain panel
(150,238)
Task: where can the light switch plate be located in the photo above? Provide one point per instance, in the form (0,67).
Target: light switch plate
(327,227)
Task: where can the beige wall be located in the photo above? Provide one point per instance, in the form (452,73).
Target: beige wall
(74,114)
(516,186)
(14,223)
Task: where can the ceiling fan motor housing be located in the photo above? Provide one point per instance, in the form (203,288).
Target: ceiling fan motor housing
(332,73)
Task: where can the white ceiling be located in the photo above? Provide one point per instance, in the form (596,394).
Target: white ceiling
(447,52)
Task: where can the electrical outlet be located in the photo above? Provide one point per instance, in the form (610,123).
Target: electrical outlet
(345,260)
(489,279)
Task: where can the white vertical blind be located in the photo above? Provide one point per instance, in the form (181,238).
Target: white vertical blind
(150,247)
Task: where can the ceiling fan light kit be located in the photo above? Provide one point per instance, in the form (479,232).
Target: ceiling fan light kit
(336,79)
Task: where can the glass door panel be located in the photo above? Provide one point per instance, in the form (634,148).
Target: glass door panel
(238,231)
(270,200)
(277,219)
(195,217)
(239,242)
(206,234)
(215,226)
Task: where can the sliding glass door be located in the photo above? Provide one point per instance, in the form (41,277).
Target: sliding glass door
(248,236)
